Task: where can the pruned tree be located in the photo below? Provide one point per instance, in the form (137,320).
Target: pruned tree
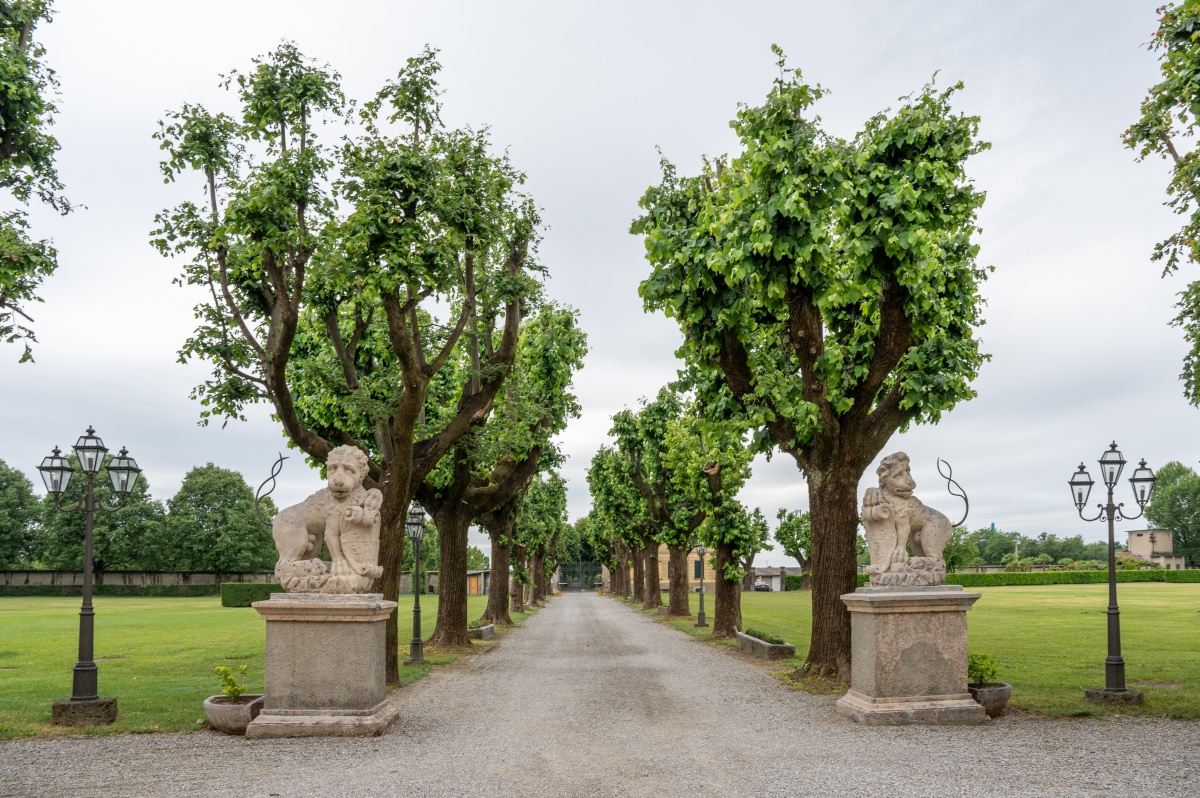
(27,169)
(710,462)
(620,519)
(828,294)
(341,280)
(1175,505)
(641,438)
(1168,118)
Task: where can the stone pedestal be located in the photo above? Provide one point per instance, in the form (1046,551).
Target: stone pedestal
(909,657)
(92,712)
(324,673)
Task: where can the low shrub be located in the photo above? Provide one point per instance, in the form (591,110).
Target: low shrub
(766,637)
(243,594)
(478,624)
(793,582)
(981,670)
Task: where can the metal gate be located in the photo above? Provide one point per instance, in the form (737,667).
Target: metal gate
(579,576)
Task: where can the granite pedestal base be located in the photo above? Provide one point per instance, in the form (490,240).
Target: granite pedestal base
(324,671)
(909,657)
(91,712)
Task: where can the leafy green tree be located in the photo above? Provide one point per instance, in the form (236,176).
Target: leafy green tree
(618,520)
(711,474)
(761,532)
(19,513)
(26,164)
(960,550)
(477,560)
(828,294)
(541,517)
(122,538)
(490,468)
(673,517)
(341,280)
(1168,116)
(794,535)
(211,526)
(1175,505)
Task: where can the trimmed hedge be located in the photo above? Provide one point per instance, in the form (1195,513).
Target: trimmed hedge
(793,582)
(1007,578)
(243,594)
(170,591)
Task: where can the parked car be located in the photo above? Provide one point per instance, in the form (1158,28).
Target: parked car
(762,586)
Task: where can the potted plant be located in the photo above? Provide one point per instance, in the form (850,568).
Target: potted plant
(983,682)
(232,711)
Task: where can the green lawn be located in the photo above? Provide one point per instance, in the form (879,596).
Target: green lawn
(155,655)
(1050,641)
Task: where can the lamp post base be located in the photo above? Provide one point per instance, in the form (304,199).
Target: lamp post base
(92,712)
(1106,696)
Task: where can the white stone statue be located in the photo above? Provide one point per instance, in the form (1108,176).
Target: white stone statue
(894,520)
(345,516)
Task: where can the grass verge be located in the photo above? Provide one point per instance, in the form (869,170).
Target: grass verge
(1050,642)
(155,656)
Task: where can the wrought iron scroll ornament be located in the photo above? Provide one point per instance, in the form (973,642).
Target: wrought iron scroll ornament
(951,484)
(259,495)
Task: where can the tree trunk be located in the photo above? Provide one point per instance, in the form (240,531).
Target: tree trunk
(639,577)
(516,592)
(453,520)
(834,508)
(497,604)
(393,512)
(653,597)
(677,570)
(748,576)
(536,565)
(727,617)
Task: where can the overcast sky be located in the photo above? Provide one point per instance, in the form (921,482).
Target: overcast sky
(580,97)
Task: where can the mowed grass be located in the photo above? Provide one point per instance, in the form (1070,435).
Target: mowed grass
(155,656)
(1050,641)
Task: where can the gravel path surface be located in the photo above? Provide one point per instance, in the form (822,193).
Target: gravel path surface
(589,698)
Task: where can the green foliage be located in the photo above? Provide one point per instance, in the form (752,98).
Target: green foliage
(794,535)
(477,560)
(243,594)
(793,582)
(230,685)
(119,536)
(981,670)
(211,526)
(1175,505)
(766,637)
(542,515)
(1168,115)
(961,550)
(26,163)
(19,513)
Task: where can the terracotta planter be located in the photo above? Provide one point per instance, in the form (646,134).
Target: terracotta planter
(232,715)
(993,696)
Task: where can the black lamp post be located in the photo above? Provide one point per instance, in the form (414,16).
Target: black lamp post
(701,551)
(415,527)
(1111,465)
(56,473)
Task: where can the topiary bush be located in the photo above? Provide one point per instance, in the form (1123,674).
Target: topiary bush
(243,594)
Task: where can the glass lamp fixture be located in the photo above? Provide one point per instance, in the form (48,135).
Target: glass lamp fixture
(56,473)
(1143,484)
(1111,465)
(1081,486)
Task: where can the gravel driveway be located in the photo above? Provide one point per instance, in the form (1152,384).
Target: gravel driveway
(589,698)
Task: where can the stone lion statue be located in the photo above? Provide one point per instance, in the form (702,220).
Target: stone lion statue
(895,520)
(344,516)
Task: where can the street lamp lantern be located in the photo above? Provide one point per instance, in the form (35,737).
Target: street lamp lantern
(1143,484)
(123,473)
(90,450)
(414,527)
(56,473)
(1142,481)
(700,552)
(1111,465)
(86,707)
